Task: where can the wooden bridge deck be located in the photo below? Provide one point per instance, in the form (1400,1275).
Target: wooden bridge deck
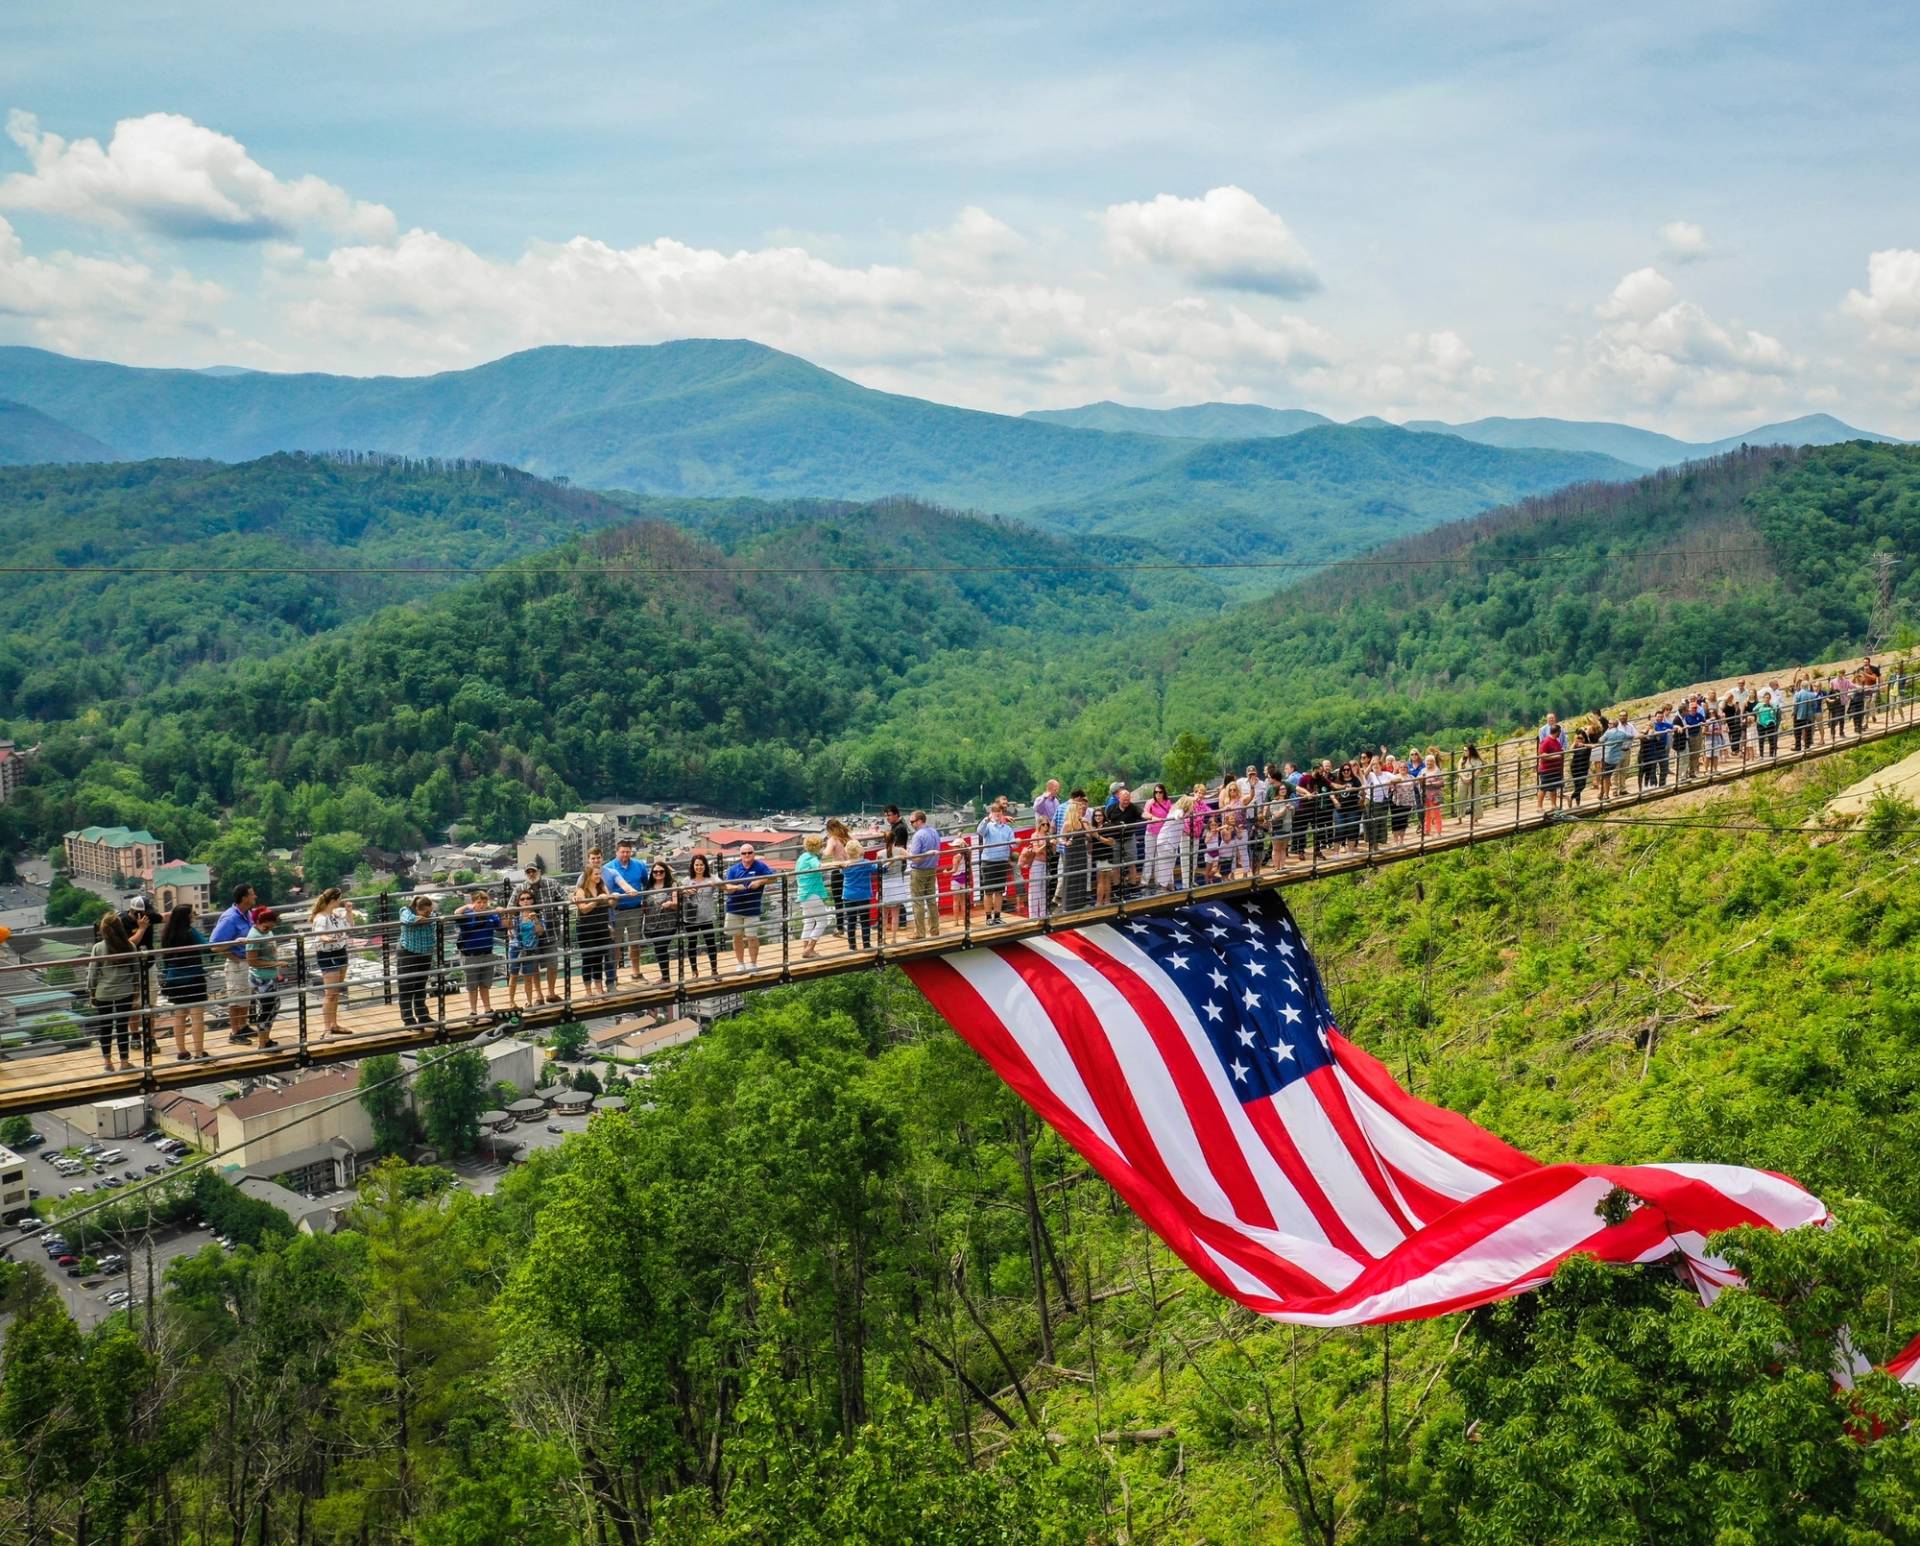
(71,1073)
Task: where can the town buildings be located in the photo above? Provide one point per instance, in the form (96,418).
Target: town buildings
(176,883)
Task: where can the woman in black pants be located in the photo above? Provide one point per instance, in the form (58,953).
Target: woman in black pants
(660,917)
(700,917)
(113,982)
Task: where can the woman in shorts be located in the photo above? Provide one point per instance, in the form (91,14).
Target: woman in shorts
(331,920)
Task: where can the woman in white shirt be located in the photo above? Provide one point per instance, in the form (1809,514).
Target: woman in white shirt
(331,921)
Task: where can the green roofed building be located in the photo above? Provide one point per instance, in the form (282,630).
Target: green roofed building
(177,881)
(112,853)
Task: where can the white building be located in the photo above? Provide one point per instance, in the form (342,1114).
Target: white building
(13,1185)
(308,1112)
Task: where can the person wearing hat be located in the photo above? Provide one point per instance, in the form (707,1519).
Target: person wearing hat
(263,966)
(546,900)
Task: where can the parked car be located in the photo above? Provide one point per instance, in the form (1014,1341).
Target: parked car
(65,1261)
(173,1159)
(153,1170)
(92,1149)
(33,1140)
(152,1135)
(30,1226)
(118,1297)
(79,1191)
(113,1156)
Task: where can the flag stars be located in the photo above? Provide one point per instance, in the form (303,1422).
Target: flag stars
(1213,1012)
(1177,961)
(1217,977)
(1251,999)
(1282,1053)
(1292,1015)
(1255,969)
(1239,1070)
(1246,1036)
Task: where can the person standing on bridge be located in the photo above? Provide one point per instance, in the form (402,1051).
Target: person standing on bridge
(113,979)
(810,888)
(550,910)
(1766,723)
(856,899)
(183,981)
(229,933)
(1550,768)
(700,916)
(660,917)
(923,877)
(996,836)
(263,967)
(331,920)
(1614,744)
(478,924)
(415,965)
(835,853)
(747,879)
(1806,709)
(626,879)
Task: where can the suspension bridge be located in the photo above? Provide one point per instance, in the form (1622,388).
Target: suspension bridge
(49,1073)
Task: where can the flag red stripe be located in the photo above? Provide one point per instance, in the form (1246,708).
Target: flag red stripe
(1286,1154)
(1333,1101)
(1442,1128)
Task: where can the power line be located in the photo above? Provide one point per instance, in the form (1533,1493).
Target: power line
(664,571)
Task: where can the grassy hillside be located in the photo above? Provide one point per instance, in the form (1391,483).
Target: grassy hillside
(121,635)
(1315,495)
(28,436)
(829,1282)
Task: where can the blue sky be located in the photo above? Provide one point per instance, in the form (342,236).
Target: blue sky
(1692,221)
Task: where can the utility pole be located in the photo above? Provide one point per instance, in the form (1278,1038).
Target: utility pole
(1880,629)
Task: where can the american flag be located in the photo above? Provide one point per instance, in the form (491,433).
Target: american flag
(1193,1059)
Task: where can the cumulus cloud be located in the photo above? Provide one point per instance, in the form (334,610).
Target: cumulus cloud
(425,301)
(167,175)
(91,305)
(1890,305)
(1681,241)
(1654,349)
(1227,240)
(977,245)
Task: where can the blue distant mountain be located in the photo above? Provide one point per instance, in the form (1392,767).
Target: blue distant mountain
(1641,448)
(28,436)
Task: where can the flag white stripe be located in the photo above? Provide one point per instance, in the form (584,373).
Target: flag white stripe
(1026,1020)
(1326,1154)
(1418,1157)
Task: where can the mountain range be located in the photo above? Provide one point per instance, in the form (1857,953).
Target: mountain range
(1641,448)
(720,418)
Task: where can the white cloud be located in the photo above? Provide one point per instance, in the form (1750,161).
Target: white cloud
(1654,350)
(1681,241)
(976,246)
(89,305)
(167,175)
(1227,240)
(1890,305)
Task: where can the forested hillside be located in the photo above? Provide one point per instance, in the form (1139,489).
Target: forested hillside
(1314,496)
(831,1284)
(724,682)
(271,533)
(1752,562)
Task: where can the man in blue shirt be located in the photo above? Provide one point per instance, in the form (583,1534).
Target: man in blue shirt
(230,934)
(1806,716)
(923,875)
(626,879)
(996,856)
(745,879)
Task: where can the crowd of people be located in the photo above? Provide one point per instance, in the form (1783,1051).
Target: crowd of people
(1063,853)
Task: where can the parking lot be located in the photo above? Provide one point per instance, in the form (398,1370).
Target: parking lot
(85,1301)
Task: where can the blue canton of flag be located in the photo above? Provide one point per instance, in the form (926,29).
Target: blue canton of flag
(1252,984)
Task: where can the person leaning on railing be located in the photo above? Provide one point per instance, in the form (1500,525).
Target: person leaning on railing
(414,966)
(183,982)
(700,916)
